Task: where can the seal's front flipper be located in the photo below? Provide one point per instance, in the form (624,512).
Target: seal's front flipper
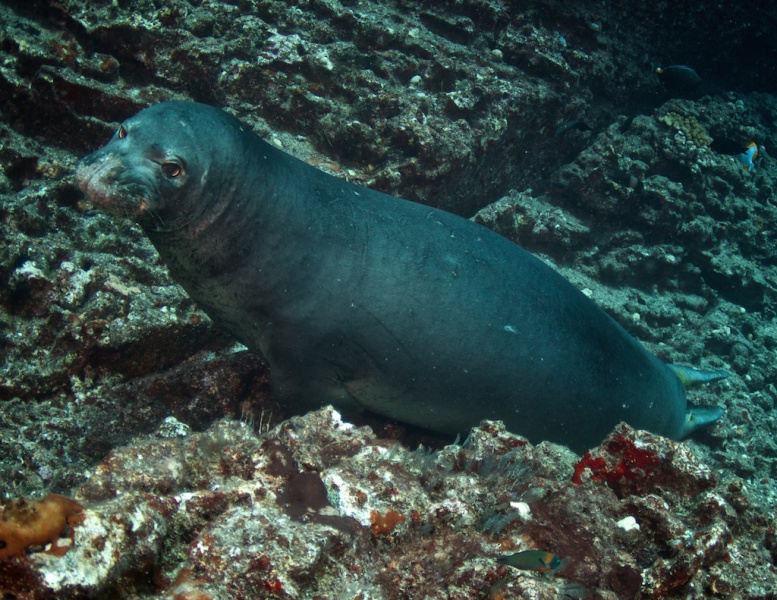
(691,377)
(700,416)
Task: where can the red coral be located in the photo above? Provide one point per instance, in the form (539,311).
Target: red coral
(273,586)
(597,465)
(633,457)
(629,458)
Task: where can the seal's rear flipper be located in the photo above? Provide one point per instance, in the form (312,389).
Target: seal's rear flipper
(697,417)
(700,416)
(693,377)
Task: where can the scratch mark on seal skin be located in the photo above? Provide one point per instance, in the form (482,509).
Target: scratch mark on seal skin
(382,325)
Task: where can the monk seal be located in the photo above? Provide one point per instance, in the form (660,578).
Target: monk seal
(370,302)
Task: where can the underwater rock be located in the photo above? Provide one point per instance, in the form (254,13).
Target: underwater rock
(317,507)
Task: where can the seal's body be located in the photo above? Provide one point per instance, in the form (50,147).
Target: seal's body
(366,301)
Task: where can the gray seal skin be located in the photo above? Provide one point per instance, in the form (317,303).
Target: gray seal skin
(369,302)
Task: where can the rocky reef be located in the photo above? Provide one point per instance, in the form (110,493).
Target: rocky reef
(318,508)
(114,386)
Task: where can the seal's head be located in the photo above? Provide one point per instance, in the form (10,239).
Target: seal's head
(153,169)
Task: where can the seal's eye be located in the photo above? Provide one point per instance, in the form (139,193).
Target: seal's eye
(122,132)
(171,169)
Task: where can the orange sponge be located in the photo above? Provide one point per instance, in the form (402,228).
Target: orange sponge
(384,524)
(25,523)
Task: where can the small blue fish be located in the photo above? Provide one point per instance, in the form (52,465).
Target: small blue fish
(534,560)
(571,124)
(749,156)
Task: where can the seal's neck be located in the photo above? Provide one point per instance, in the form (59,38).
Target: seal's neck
(251,236)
